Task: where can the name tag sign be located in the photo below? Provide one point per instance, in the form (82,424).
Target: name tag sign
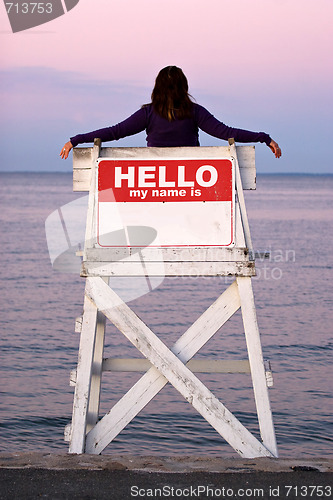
(165,202)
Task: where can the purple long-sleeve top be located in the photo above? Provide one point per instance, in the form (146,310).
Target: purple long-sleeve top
(162,133)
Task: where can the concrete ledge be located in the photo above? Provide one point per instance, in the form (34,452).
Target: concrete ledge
(28,476)
(174,464)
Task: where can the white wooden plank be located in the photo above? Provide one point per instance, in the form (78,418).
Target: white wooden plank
(169,152)
(246,160)
(195,365)
(168,254)
(123,268)
(241,200)
(82,163)
(82,160)
(239,232)
(96,372)
(84,369)
(90,233)
(257,364)
(82,157)
(173,369)
(81,179)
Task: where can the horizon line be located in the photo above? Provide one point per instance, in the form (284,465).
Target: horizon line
(70,172)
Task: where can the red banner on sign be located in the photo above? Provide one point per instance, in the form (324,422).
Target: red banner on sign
(169,180)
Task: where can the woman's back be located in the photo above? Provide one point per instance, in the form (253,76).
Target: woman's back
(163,133)
(172,119)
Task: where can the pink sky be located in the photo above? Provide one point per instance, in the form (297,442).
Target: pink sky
(251,60)
(276,40)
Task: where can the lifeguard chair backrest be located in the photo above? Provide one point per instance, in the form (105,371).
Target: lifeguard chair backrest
(82,161)
(166,197)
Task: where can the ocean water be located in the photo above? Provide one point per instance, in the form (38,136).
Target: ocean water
(290,215)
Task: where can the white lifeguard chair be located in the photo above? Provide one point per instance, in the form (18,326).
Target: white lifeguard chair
(134,196)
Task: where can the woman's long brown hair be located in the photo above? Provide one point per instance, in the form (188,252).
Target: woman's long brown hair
(170,97)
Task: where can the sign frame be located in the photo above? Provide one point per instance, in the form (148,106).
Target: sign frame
(215,209)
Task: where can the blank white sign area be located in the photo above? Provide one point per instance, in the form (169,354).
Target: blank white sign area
(167,224)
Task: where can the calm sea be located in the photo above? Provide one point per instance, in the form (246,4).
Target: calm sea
(290,216)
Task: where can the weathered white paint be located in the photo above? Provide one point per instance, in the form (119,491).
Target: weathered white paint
(241,200)
(97,369)
(257,364)
(195,365)
(173,369)
(199,261)
(84,370)
(124,268)
(82,160)
(152,382)
(169,254)
(239,236)
(91,216)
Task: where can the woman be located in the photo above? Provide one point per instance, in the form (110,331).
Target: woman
(171,119)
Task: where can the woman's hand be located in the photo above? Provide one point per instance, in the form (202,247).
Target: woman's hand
(65,150)
(275,148)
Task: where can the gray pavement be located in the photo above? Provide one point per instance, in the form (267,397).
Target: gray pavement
(34,475)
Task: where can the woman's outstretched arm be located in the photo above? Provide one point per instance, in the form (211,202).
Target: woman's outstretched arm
(132,125)
(212,126)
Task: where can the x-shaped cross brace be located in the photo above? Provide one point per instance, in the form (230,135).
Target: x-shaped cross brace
(169,366)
